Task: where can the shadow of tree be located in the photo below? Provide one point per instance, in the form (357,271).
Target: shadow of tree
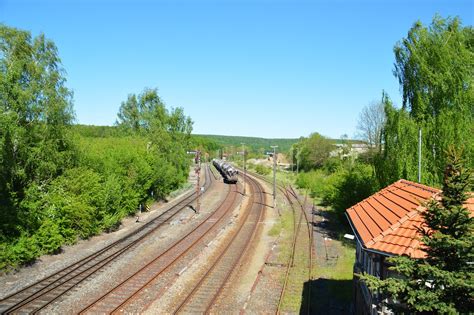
(327,296)
(330,224)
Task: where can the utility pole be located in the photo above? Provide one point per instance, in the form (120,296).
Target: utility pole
(245,168)
(197,170)
(419,155)
(274,175)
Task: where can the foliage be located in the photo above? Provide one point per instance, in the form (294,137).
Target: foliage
(253,144)
(399,159)
(168,132)
(205,144)
(262,169)
(35,112)
(443,281)
(341,188)
(434,67)
(98,131)
(60,183)
(313,151)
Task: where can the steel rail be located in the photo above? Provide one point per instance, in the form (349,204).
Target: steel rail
(120,294)
(287,192)
(302,206)
(290,264)
(221,264)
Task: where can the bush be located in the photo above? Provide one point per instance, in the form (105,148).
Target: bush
(342,188)
(114,176)
(355,185)
(262,170)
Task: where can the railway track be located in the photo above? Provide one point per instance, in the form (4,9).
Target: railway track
(117,299)
(38,295)
(202,296)
(301,243)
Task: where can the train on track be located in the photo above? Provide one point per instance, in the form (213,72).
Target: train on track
(228,172)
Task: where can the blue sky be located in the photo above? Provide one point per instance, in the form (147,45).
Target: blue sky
(275,69)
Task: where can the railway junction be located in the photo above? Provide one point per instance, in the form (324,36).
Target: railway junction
(222,258)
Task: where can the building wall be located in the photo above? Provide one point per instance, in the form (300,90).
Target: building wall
(365,301)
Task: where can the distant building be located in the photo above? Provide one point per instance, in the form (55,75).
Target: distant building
(386,224)
(355,150)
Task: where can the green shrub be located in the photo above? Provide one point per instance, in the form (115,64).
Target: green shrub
(342,188)
(262,170)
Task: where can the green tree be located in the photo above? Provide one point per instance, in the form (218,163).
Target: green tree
(137,113)
(399,157)
(168,132)
(443,281)
(129,114)
(313,151)
(434,66)
(35,114)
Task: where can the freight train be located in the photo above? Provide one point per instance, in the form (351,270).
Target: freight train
(228,172)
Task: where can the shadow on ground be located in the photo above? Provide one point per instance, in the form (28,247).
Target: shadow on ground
(331,224)
(326,296)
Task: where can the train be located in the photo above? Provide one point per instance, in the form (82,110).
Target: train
(228,172)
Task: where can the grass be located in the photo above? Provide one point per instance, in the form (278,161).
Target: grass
(299,272)
(339,289)
(335,280)
(284,224)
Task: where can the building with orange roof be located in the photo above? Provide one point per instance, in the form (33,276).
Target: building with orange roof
(387,224)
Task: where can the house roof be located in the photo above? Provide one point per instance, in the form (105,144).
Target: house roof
(388,221)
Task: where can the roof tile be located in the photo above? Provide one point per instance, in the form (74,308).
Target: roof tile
(389,220)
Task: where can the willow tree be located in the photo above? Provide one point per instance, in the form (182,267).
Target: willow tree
(434,66)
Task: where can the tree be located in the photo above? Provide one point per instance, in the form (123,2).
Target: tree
(443,281)
(137,112)
(371,122)
(313,151)
(168,132)
(129,114)
(399,157)
(35,114)
(434,68)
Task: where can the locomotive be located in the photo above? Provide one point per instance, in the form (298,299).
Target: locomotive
(228,172)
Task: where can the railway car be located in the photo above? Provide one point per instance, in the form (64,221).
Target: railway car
(228,172)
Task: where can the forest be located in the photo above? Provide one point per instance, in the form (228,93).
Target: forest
(61,182)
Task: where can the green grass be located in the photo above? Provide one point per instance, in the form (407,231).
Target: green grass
(299,272)
(341,271)
(337,277)
(285,223)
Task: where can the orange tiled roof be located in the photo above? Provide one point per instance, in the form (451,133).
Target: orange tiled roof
(388,221)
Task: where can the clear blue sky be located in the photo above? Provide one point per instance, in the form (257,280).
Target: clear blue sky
(252,68)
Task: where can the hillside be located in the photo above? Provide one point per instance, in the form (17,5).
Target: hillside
(254,143)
